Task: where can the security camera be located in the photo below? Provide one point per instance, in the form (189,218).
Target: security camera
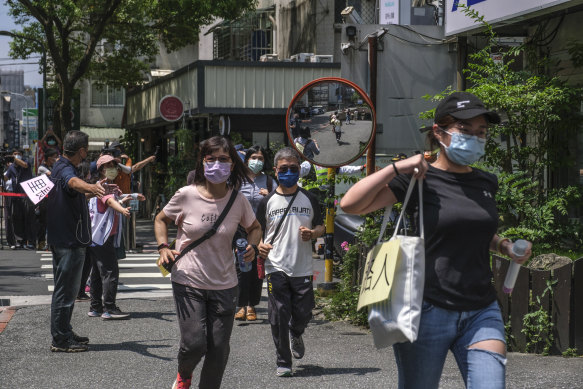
(345,47)
(349,15)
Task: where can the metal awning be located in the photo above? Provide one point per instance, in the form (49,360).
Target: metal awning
(99,135)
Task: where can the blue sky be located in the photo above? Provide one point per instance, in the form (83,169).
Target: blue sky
(31,75)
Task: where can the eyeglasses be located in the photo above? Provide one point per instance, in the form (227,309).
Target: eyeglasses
(212,159)
(480,133)
(291,168)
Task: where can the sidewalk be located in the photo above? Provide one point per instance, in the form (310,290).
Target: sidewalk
(141,353)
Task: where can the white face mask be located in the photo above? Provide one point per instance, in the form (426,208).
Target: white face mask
(110,173)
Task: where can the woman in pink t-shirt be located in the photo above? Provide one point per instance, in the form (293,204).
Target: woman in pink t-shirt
(204,280)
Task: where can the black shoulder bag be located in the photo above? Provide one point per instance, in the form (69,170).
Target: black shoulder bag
(207,235)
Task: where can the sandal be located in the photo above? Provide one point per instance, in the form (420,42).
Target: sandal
(251,315)
(240,315)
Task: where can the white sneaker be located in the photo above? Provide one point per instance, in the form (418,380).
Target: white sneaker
(283,371)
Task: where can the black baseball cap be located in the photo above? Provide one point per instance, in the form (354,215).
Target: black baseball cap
(462,105)
(116,144)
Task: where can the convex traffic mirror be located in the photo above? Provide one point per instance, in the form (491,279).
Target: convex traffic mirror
(330,122)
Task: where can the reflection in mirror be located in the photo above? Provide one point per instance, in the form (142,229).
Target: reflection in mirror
(330,122)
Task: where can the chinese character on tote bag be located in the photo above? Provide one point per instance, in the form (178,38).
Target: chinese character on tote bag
(393,281)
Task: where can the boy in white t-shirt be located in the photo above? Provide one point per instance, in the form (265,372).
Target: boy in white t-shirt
(288,253)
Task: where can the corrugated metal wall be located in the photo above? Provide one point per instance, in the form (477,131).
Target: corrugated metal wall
(257,87)
(226,85)
(142,107)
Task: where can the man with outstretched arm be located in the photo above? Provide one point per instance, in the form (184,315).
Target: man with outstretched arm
(68,234)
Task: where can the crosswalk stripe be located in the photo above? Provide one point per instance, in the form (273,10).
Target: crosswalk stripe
(127,278)
(123,276)
(128,256)
(134,287)
(121,265)
(152,258)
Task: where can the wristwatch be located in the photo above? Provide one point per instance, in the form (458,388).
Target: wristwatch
(256,249)
(163,245)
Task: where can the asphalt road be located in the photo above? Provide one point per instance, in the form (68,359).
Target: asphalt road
(354,137)
(141,353)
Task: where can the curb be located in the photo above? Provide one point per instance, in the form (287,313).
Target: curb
(6,314)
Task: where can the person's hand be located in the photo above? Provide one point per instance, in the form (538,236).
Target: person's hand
(306,233)
(263,192)
(126,212)
(408,166)
(141,197)
(97,190)
(264,249)
(152,159)
(249,254)
(507,247)
(167,256)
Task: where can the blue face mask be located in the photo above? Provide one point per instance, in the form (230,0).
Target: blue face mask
(464,149)
(288,179)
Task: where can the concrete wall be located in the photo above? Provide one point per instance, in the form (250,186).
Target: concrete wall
(409,67)
(97,116)
(304,26)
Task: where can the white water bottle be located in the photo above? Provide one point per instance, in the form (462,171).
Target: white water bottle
(519,249)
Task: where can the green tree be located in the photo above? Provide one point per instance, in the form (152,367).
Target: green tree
(128,32)
(533,144)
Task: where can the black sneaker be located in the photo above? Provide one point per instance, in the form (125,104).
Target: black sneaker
(297,346)
(80,339)
(83,296)
(71,347)
(114,314)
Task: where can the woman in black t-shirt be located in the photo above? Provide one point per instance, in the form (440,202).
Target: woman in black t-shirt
(460,312)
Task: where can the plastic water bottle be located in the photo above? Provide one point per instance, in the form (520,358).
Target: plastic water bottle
(241,249)
(518,248)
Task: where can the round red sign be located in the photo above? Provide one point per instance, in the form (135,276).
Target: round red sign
(171,108)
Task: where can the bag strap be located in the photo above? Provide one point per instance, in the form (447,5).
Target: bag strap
(212,230)
(283,216)
(388,210)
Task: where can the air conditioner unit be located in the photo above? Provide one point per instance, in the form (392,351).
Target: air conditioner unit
(301,57)
(322,58)
(269,58)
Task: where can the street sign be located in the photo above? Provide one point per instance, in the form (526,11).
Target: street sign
(171,108)
(29,112)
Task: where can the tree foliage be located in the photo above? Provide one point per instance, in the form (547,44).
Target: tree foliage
(533,144)
(127,32)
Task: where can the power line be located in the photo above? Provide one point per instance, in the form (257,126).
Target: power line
(19,63)
(13,59)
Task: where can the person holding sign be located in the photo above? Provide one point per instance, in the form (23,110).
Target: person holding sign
(290,217)
(460,312)
(68,235)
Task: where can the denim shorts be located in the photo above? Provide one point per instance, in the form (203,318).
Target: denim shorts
(420,363)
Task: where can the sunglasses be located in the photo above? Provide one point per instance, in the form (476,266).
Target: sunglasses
(291,168)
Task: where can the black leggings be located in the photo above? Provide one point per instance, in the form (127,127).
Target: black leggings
(250,286)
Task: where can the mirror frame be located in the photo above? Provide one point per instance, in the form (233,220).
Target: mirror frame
(304,89)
